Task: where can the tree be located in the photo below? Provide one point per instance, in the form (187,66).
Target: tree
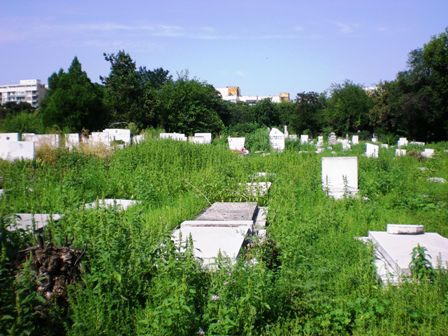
(124,89)
(73,101)
(309,110)
(13,108)
(265,113)
(347,108)
(188,106)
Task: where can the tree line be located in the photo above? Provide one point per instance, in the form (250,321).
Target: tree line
(414,104)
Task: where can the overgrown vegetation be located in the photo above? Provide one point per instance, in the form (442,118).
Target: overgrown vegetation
(310,277)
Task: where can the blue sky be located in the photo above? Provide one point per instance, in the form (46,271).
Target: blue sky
(265,47)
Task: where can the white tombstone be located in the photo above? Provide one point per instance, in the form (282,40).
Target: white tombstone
(372,150)
(277,140)
(402,142)
(51,140)
(384,146)
(119,204)
(71,140)
(292,137)
(9,137)
(174,136)
(32,222)
(355,139)
(417,143)
(428,153)
(304,138)
(119,134)
(340,176)
(400,152)
(332,139)
(320,141)
(374,139)
(136,139)
(199,140)
(17,150)
(285,131)
(345,145)
(99,138)
(236,144)
(207,137)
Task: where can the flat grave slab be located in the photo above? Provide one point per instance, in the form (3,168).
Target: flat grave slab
(397,248)
(32,222)
(230,211)
(208,242)
(120,204)
(217,223)
(258,188)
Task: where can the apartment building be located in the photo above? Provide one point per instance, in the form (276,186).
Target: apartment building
(30,91)
(233,94)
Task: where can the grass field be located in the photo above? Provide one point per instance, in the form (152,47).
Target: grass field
(309,277)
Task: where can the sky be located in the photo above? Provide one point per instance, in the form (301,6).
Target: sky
(263,46)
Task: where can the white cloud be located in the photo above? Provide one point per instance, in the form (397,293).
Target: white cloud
(345,28)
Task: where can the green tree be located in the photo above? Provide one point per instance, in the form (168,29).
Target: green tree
(73,101)
(124,89)
(309,111)
(188,106)
(266,113)
(348,107)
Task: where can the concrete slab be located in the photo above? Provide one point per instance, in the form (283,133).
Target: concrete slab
(32,222)
(9,137)
(217,223)
(230,211)
(405,229)
(207,137)
(208,242)
(397,249)
(17,150)
(258,188)
(260,222)
(236,144)
(436,179)
(120,204)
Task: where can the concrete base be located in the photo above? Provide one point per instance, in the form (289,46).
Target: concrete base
(230,211)
(120,204)
(32,222)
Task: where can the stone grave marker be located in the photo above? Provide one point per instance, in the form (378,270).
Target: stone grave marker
(9,137)
(372,150)
(345,145)
(304,139)
(119,134)
(332,140)
(136,139)
(320,141)
(277,140)
(355,139)
(17,150)
(173,136)
(206,136)
(236,144)
(51,140)
(402,142)
(400,152)
(32,222)
(340,176)
(71,141)
(428,153)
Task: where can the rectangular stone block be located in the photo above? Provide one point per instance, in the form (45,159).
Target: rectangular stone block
(9,137)
(236,144)
(17,150)
(340,176)
(230,211)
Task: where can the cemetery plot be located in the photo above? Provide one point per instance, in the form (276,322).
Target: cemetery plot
(394,249)
(340,176)
(17,150)
(277,140)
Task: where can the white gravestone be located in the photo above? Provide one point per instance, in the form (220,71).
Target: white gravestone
(428,153)
(355,139)
(340,176)
(51,140)
(17,150)
(119,134)
(345,145)
(292,137)
(277,140)
(199,140)
(384,146)
(136,139)
(374,139)
(400,152)
(402,142)
(71,140)
(285,131)
(372,150)
(304,138)
(99,138)
(207,137)
(236,144)
(320,141)
(9,137)
(332,139)
(173,136)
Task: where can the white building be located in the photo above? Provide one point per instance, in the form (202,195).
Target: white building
(30,91)
(233,94)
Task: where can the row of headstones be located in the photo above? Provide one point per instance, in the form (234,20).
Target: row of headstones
(13,146)
(198,138)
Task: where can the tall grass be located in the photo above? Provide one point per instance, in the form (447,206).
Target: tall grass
(310,277)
